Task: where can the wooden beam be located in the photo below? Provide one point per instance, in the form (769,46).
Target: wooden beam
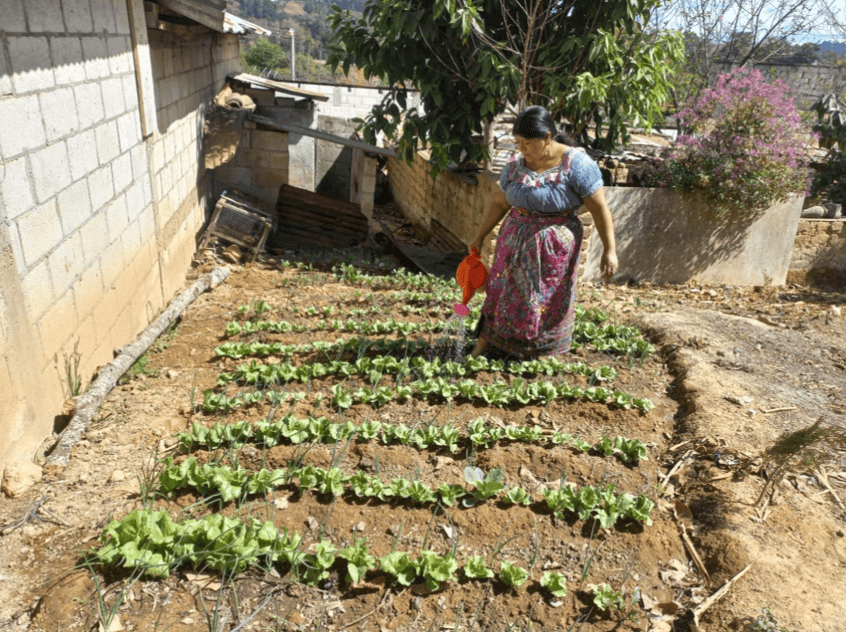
(143,67)
(279,87)
(284,126)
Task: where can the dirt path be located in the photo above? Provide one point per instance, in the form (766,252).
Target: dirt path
(711,346)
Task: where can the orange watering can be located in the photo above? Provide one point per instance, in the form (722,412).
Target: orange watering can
(471,275)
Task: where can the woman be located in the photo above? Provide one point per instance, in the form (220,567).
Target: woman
(531,287)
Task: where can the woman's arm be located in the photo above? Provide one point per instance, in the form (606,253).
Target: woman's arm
(601,214)
(497,211)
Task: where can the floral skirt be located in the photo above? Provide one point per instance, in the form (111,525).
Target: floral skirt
(531,287)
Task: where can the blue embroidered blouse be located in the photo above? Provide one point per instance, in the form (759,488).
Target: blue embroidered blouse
(555,190)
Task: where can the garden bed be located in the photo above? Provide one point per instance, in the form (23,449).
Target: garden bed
(541,449)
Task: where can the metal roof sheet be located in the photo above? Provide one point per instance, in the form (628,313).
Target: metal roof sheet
(240,26)
(279,87)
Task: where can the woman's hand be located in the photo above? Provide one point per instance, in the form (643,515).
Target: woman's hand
(608,265)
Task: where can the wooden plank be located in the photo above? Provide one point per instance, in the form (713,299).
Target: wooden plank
(143,67)
(284,126)
(302,196)
(280,87)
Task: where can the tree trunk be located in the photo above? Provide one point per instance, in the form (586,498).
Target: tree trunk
(89,402)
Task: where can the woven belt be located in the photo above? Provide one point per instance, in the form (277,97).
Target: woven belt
(526,213)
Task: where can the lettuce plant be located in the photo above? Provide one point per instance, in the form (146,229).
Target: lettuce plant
(555,583)
(475,568)
(513,576)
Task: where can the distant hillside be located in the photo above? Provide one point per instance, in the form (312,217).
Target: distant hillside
(836,47)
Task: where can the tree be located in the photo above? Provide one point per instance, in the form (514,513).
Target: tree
(265,54)
(586,61)
(722,33)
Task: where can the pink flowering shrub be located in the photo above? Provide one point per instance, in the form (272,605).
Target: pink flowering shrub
(744,149)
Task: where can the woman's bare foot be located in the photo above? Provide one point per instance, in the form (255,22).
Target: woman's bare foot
(480,348)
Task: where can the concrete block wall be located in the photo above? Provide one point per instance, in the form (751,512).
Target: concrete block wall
(359,100)
(819,251)
(187,74)
(97,224)
(259,166)
(333,162)
(363,183)
(808,83)
(461,206)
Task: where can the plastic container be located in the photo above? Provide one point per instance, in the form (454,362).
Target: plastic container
(471,276)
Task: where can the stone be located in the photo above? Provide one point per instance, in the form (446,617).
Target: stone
(833,211)
(19,476)
(172,374)
(814,212)
(117,476)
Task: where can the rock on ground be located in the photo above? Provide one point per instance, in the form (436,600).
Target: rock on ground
(19,476)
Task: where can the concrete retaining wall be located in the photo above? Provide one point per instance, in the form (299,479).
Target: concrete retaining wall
(97,225)
(664,236)
(819,254)
(350,101)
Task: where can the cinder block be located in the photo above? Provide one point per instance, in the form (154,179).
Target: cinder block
(44,16)
(169,146)
(22,127)
(15,189)
(63,262)
(165,180)
(74,206)
(119,54)
(138,153)
(112,263)
(273,141)
(108,142)
(117,218)
(17,250)
(95,238)
(130,92)
(59,113)
(68,64)
(40,231)
(84,335)
(122,171)
(158,157)
(50,171)
(102,11)
(57,324)
(38,290)
(147,225)
(105,313)
(14,20)
(121,18)
(96,57)
(82,154)
(89,104)
(101,187)
(131,240)
(269,177)
(77,16)
(167,62)
(113,97)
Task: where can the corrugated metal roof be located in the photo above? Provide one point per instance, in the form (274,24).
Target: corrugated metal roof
(279,87)
(209,13)
(239,26)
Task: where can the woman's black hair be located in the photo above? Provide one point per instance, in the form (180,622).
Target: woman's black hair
(536,122)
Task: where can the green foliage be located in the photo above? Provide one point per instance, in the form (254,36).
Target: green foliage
(831,128)
(400,566)
(605,598)
(470,60)
(475,568)
(264,54)
(435,569)
(359,560)
(767,622)
(513,576)
(555,583)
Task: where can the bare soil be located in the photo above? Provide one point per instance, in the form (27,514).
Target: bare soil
(781,347)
